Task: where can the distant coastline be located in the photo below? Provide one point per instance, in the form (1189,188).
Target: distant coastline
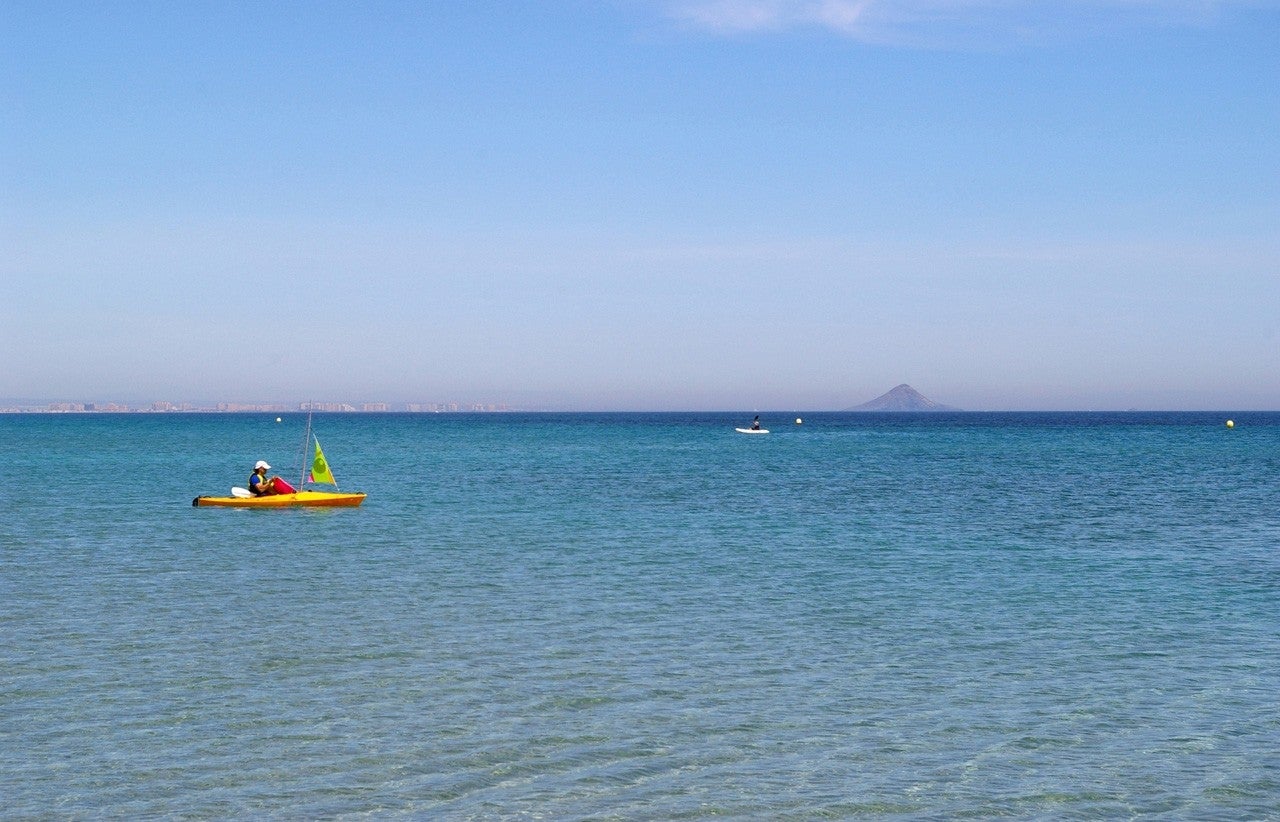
(902,399)
(68,408)
(164,407)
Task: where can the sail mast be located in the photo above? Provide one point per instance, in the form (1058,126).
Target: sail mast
(306,440)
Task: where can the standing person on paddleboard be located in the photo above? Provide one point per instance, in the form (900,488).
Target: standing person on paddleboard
(259,485)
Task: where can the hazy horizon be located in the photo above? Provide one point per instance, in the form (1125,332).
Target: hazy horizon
(291,406)
(644,204)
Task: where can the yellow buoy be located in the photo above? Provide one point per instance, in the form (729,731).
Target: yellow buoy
(799,421)
(1231,423)
(277,419)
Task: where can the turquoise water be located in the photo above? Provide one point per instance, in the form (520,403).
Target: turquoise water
(644,616)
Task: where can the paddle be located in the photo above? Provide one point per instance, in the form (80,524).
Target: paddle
(240,492)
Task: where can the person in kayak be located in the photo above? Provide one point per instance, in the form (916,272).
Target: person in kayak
(259,485)
(755,424)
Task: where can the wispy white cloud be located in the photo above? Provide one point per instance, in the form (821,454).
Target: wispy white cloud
(770,15)
(939,22)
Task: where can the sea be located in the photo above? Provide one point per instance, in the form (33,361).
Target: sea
(644,616)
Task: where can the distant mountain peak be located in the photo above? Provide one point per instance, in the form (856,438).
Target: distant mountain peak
(902,398)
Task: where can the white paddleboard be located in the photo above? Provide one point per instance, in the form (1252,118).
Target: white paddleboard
(752,430)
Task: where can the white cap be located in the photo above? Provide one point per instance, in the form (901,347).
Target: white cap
(261,464)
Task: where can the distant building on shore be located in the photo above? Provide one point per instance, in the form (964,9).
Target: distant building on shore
(236,407)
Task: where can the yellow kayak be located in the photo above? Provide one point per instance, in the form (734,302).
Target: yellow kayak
(318,499)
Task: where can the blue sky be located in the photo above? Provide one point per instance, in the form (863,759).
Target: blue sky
(643,204)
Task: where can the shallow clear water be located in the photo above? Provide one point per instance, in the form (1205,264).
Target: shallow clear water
(644,616)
